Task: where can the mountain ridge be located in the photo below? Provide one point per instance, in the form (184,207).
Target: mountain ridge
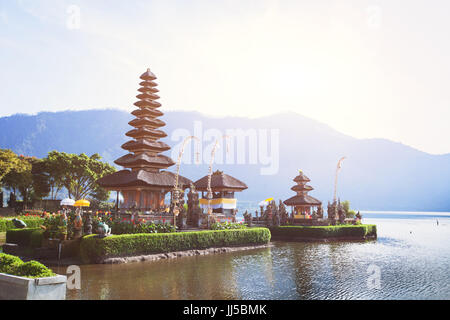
(378,174)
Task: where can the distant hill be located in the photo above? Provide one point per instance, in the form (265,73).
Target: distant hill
(378,174)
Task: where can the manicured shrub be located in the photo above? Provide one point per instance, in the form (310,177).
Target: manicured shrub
(9,263)
(36,238)
(33,269)
(94,249)
(125,227)
(22,237)
(324,232)
(227,226)
(31,222)
(15,266)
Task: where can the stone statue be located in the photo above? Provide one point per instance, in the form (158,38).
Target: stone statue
(275,212)
(77,225)
(277,219)
(181,219)
(248,219)
(64,217)
(245,216)
(269,216)
(341,213)
(19,224)
(103,230)
(88,225)
(331,213)
(320,212)
(193,213)
(284,216)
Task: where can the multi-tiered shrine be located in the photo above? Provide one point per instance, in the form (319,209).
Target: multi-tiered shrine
(303,205)
(222,202)
(142,183)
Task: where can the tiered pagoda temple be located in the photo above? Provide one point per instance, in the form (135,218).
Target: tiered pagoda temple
(142,183)
(223,187)
(302,204)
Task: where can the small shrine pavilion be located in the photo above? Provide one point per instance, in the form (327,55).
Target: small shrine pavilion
(302,204)
(142,183)
(223,187)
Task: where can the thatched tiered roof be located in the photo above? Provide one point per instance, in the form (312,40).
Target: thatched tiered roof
(220,182)
(142,178)
(144,159)
(301,188)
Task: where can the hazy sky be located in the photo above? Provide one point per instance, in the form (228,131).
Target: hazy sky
(367,68)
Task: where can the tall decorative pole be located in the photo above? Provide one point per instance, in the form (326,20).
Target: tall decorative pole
(176,189)
(213,154)
(180,156)
(338,168)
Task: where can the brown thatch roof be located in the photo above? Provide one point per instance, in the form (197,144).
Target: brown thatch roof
(144,144)
(302,188)
(301,178)
(142,178)
(147,95)
(220,180)
(302,200)
(148,89)
(148,75)
(147,103)
(148,83)
(145,132)
(145,121)
(135,160)
(146,112)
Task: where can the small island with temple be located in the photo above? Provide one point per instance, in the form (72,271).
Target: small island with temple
(306,221)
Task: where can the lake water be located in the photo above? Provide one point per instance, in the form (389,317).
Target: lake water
(412,255)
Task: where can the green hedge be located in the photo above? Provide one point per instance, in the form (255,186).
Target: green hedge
(15,266)
(324,232)
(9,263)
(29,237)
(93,249)
(7,224)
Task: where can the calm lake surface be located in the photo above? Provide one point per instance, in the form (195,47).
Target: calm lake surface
(412,253)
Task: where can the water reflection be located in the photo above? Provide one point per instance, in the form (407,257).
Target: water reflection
(413,257)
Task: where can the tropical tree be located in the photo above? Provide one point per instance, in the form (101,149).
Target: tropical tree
(21,178)
(349,213)
(8,161)
(53,171)
(79,174)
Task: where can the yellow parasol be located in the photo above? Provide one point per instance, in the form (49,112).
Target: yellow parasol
(82,203)
(265,202)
